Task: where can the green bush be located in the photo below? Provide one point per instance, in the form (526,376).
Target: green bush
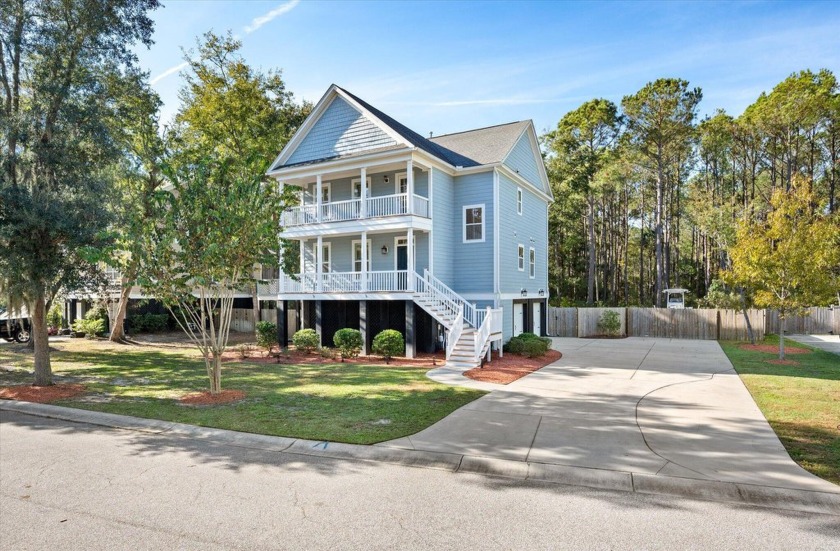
(610,323)
(266,335)
(54,317)
(388,343)
(349,342)
(528,344)
(306,340)
(148,323)
(89,326)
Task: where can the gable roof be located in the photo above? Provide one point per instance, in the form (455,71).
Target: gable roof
(484,145)
(471,148)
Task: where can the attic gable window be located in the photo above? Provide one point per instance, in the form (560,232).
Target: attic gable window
(473,223)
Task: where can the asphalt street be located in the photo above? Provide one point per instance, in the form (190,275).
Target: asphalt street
(65,485)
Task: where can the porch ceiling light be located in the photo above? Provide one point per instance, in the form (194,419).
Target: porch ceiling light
(524,292)
(384,249)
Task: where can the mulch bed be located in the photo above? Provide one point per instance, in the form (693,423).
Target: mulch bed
(773,349)
(511,367)
(783,362)
(41,394)
(295,357)
(207,399)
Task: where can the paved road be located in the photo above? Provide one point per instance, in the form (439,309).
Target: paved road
(663,407)
(829,343)
(73,486)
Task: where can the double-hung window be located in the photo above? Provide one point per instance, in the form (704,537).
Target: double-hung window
(473,223)
(532,263)
(519,200)
(521,255)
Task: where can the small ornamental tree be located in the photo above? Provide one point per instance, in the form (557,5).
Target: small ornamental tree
(349,342)
(610,323)
(789,261)
(214,226)
(388,343)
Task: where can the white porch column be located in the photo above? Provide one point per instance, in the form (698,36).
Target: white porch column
(280,186)
(363,195)
(409,175)
(318,196)
(410,253)
(319,257)
(302,256)
(364,256)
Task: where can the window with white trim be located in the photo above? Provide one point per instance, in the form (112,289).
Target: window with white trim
(532,262)
(519,200)
(357,187)
(401,183)
(473,223)
(521,254)
(326,260)
(357,256)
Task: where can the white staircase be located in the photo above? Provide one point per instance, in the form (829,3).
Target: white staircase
(469,332)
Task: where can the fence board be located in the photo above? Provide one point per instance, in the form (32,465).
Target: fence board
(562,322)
(672,323)
(588,320)
(733,327)
(818,321)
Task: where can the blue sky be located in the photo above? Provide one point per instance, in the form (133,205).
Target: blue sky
(450,66)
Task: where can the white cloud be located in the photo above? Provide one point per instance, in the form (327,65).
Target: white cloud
(258,22)
(168,72)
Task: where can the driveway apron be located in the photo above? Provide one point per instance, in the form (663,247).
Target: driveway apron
(663,407)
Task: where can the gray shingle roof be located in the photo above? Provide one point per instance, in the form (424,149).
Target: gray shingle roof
(470,148)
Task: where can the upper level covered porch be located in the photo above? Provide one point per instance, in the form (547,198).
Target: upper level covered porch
(332,198)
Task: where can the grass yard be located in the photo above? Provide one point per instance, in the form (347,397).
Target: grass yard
(801,402)
(354,403)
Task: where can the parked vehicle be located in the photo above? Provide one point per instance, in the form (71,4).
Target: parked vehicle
(15,326)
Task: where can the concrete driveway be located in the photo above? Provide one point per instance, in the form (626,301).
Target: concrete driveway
(829,343)
(662,407)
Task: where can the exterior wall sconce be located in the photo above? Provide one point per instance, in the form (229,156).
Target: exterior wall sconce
(387,179)
(541,292)
(384,249)
(524,292)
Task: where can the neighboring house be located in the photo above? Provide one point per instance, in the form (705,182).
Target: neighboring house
(444,238)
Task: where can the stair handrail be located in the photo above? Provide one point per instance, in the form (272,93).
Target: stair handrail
(455,331)
(424,288)
(470,314)
(482,334)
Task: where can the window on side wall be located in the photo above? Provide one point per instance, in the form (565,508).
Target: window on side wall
(532,263)
(521,254)
(401,183)
(473,223)
(519,200)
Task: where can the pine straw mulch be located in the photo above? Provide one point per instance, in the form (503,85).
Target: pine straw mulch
(207,399)
(773,349)
(511,367)
(41,394)
(315,358)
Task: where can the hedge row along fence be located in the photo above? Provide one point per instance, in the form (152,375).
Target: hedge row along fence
(700,324)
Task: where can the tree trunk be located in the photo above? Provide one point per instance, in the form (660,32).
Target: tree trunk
(118,323)
(590,276)
(659,236)
(255,305)
(216,376)
(746,317)
(782,326)
(43,370)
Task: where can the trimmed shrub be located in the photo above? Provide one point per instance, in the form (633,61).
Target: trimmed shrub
(266,335)
(609,323)
(528,344)
(89,326)
(349,342)
(148,323)
(388,343)
(306,340)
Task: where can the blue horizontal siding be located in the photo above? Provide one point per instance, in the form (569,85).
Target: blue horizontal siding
(472,261)
(529,229)
(443,225)
(522,160)
(341,130)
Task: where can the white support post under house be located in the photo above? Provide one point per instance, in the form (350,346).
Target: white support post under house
(318,195)
(364,256)
(280,274)
(409,176)
(410,252)
(363,195)
(319,259)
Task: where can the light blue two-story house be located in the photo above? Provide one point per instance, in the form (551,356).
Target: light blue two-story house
(444,239)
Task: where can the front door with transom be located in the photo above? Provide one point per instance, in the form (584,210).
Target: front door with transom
(401,263)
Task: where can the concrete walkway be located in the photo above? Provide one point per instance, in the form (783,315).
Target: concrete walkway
(658,407)
(829,343)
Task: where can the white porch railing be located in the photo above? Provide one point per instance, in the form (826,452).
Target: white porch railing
(346,282)
(455,331)
(471,315)
(338,211)
(490,326)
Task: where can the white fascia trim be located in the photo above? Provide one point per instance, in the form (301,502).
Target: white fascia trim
(354,227)
(519,180)
(336,165)
(347,296)
(535,150)
(496,232)
(532,295)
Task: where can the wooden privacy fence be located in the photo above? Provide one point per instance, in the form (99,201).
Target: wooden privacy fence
(242,319)
(690,323)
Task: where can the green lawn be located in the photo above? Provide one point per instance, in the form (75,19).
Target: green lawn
(360,404)
(801,402)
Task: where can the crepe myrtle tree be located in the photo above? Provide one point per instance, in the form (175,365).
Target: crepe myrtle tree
(216,223)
